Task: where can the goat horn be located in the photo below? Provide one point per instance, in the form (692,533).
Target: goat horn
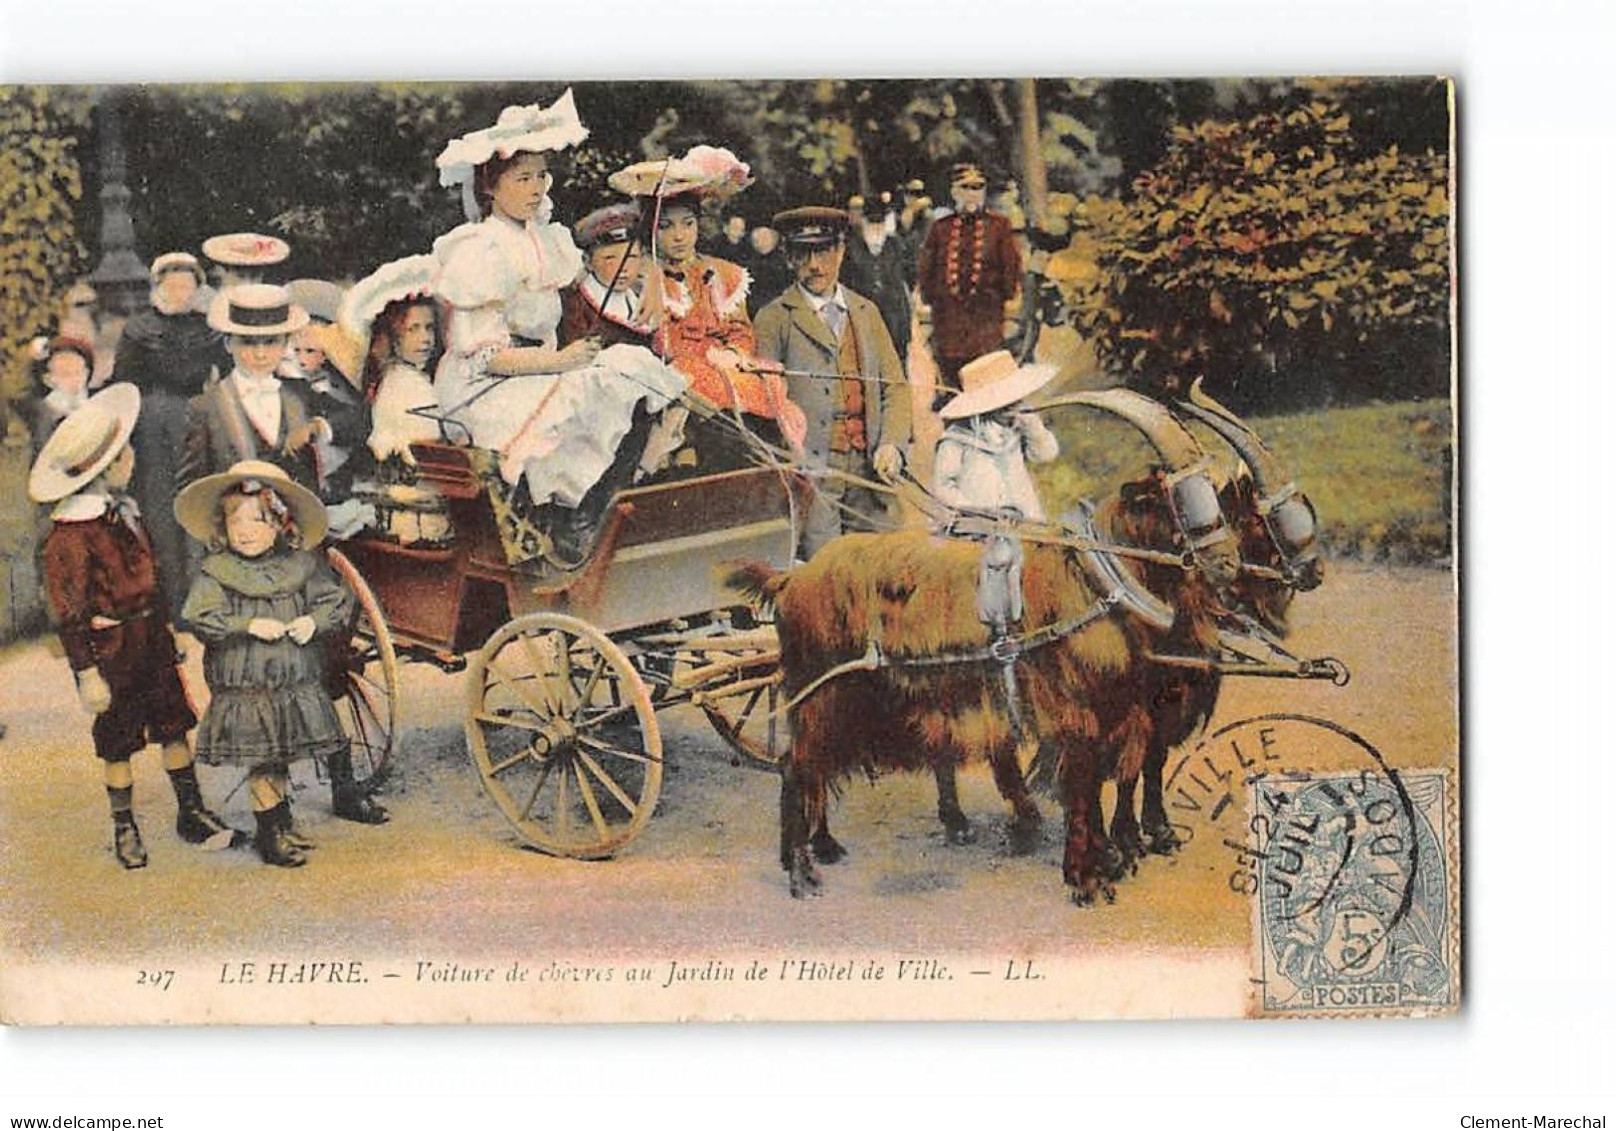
(1166,433)
(1267,473)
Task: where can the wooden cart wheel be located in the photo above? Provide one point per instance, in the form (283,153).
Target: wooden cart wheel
(365,679)
(562,730)
(742,709)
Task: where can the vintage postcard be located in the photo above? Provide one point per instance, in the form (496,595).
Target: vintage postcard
(695,550)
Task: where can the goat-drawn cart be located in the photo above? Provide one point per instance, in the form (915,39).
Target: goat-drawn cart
(566,669)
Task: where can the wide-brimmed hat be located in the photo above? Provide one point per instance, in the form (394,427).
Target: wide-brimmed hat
(410,277)
(705,172)
(993,381)
(256,310)
(342,350)
(85,443)
(197,506)
(520,129)
(246,249)
(320,297)
(812,225)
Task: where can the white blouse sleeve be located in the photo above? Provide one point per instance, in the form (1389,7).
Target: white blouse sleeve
(476,279)
(394,427)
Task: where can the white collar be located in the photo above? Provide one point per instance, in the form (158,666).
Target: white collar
(86,506)
(624,304)
(246,382)
(819,302)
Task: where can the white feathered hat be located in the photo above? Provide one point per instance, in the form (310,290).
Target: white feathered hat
(520,129)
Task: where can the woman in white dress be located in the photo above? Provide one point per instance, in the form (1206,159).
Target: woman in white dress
(555,415)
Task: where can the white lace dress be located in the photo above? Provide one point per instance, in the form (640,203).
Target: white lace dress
(558,430)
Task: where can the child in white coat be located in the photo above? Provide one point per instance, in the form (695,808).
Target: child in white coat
(990,438)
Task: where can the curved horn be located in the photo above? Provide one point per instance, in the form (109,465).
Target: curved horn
(1177,447)
(1267,473)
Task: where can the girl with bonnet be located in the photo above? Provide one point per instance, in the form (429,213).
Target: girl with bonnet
(554,414)
(393,312)
(264,605)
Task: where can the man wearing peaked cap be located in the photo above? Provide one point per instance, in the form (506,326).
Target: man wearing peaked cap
(969,269)
(857,403)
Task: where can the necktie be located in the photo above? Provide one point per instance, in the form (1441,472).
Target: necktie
(835,317)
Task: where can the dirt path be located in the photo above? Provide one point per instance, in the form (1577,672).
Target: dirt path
(445,877)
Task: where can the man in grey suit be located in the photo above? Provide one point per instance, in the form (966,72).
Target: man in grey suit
(858,401)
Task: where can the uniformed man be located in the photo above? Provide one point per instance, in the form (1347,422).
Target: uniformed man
(969,271)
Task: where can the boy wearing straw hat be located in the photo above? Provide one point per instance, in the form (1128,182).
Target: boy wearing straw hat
(990,437)
(252,414)
(101,584)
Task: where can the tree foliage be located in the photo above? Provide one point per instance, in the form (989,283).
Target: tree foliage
(41,129)
(1267,242)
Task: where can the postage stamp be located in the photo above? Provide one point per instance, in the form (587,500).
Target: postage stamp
(837,550)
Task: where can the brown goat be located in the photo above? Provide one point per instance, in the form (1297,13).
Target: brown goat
(914,594)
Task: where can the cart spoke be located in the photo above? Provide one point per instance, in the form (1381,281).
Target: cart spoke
(542,669)
(616,790)
(509,721)
(588,691)
(563,809)
(588,794)
(607,714)
(600,747)
(532,798)
(522,755)
(541,709)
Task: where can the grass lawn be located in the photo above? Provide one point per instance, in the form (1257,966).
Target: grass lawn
(1378,474)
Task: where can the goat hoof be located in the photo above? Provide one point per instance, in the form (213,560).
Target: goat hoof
(804,876)
(960,834)
(1117,862)
(1026,836)
(827,849)
(1162,841)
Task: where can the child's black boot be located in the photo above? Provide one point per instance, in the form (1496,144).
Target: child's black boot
(196,823)
(349,800)
(271,840)
(126,843)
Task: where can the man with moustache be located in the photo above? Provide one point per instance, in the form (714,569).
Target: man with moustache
(858,403)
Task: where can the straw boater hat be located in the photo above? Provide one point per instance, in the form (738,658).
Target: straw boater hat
(85,443)
(246,249)
(197,507)
(993,381)
(256,310)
